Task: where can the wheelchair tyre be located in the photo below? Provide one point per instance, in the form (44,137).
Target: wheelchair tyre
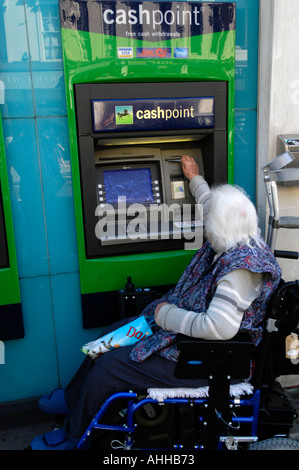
(275,443)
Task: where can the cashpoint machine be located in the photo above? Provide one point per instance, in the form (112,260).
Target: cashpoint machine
(146,82)
(11,319)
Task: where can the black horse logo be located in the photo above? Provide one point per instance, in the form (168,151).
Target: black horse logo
(125,113)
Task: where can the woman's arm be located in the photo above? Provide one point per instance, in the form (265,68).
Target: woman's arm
(234,294)
(198,186)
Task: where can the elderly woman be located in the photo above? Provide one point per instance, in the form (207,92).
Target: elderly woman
(225,289)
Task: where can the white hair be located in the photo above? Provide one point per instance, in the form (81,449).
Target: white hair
(231,219)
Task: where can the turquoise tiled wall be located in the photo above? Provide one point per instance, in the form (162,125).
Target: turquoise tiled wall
(38,159)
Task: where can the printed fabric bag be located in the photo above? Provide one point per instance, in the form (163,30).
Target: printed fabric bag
(124,336)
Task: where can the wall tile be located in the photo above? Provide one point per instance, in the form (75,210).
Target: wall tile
(68,317)
(26,196)
(44,39)
(58,194)
(14,62)
(49,91)
(245,151)
(247,33)
(30,367)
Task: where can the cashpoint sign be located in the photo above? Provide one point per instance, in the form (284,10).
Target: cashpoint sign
(157,114)
(148,21)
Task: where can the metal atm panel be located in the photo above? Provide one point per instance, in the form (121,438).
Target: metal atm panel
(151,133)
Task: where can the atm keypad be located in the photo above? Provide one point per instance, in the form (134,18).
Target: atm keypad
(156,191)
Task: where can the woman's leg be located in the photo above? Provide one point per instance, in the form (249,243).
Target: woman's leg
(73,389)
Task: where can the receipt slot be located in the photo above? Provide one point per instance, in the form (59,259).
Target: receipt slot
(140,94)
(11,320)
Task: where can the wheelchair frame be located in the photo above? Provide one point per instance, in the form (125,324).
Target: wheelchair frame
(129,428)
(220,362)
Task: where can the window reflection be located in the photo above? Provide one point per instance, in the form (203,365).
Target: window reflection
(42,17)
(50,31)
(31,59)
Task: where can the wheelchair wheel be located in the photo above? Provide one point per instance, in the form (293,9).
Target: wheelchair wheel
(151,415)
(275,443)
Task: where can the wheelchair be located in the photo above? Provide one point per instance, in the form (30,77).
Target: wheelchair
(232,412)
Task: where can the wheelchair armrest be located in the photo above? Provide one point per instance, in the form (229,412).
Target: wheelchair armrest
(201,358)
(187,343)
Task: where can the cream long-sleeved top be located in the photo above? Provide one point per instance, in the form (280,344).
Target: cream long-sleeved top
(234,294)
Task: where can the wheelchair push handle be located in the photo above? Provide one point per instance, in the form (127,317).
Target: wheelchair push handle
(286,254)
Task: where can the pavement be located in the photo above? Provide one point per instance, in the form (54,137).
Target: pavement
(21,422)
(17,429)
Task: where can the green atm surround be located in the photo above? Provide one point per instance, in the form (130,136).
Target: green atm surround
(90,52)
(11,319)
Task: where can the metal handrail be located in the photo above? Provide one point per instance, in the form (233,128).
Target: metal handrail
(274,173)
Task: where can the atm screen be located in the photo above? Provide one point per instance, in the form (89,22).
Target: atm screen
(130,185)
